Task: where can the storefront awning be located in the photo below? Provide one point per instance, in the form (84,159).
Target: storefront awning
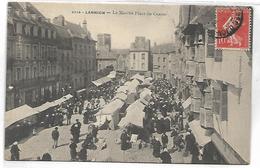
(18,114)
(101,81)
(44,107)
(199,133)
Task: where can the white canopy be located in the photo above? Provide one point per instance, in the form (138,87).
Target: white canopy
(121,96)
(145,92)
(134,115)
(123,89)
(110,112)
(44,106)
(101,81)
(199,133)
(138,76)
(18,114)
(187,103)
(133,85)
(111,107)
(112,75)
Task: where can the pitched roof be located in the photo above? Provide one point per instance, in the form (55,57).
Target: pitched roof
(64,37)
(163,48)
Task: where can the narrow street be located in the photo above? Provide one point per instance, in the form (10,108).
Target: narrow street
(41,143)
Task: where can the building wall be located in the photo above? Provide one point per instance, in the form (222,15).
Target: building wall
(236,130)
(31,59)
(139,61)
(103,63)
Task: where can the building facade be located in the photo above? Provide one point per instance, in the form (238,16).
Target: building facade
(32,73)
(82,66)
(221,101)
(140,59)
(163,55)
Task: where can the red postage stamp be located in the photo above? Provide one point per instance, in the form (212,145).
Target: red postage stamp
(233,28)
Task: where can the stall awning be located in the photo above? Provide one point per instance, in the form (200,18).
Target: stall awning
(44,107)
(80,91)
(122,89)
(199,133)
(61,100)
(121,96)
(101,81)
(69,96)
(139,77)
(187,103)
(18,114)
(112,75)
(134,115)
(111,108)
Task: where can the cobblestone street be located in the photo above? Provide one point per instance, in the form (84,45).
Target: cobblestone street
(39,144)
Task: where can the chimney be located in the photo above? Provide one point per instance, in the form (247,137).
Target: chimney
(59,20)
(26,14)
(84,25)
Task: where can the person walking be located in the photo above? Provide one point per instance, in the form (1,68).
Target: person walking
(73,151)
(164,139)
(15,151)
(156,148)
(83,154)
(165,156)
(55,136)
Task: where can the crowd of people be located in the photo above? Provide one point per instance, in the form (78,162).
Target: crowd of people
(164,116)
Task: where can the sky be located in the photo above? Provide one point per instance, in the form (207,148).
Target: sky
(123,26)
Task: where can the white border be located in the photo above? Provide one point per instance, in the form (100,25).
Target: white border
(255,138)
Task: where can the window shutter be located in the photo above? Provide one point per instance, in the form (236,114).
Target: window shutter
(224,108)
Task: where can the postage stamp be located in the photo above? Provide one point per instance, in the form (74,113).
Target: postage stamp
(233,28)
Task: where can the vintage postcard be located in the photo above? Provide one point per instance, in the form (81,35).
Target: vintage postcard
(143,83)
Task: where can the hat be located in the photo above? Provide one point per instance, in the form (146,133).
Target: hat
(56,128)
(165,150)
(15,143)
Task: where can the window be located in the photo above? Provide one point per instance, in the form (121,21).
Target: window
(27,72)
(220,102)
(31,31)
(18,73)
(164,59)
(134,56)
(24,29)
(211,52)
(34,72)
(143,56)
(62,57)
(35,52)
(159,59)
(39,32)
(18,50)
(43,52)
(46,33)
(142,65)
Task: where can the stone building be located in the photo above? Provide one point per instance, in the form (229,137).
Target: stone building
(163,55)
(220,93)
(140,59)
(32,74)
(83,54)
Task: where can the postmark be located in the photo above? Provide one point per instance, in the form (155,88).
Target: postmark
(233,28)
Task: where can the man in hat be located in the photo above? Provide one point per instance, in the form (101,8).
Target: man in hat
(124,140)
(165,156)
(15,151)
(73,150)
(164,139)
(156,148)
(55,136)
